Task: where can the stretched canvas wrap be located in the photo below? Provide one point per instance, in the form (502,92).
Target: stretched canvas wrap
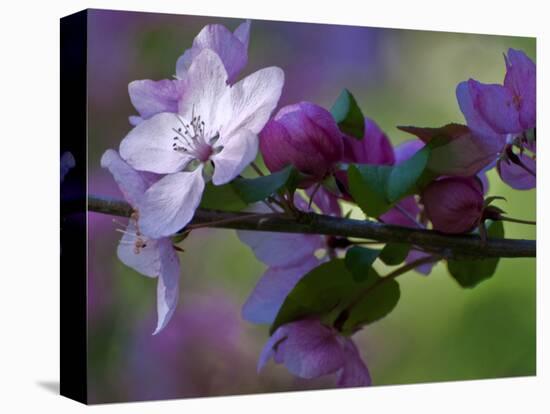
(255,206)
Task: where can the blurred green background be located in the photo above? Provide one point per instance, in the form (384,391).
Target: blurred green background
(438,331)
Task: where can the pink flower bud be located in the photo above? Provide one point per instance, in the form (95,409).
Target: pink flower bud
(454,204)
(304,135)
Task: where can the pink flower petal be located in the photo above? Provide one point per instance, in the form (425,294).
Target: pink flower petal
(424,269)
(149,145)
(206,92)
(521,79)
(516,176)
(496,105)
(168,284)
(406,214)
(242,32)
(132,184)
(236,154)
(146,260)
(152,97)
(281,249)
(270,292)
(230,47)
(304,135)
(354,373)
(474,118)
(168,205)
(326,201)
(311,349)
(252,100)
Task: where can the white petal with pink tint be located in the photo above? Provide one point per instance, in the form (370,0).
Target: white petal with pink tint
(168,205)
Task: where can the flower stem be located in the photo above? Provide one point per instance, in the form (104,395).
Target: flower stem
(410,266)
(513,220)
(257,169)
(227,221)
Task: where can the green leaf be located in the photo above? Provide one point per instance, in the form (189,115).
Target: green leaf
(394,253)
(179,237)
(404,176)
(367,185)
(359,261)
(252,190)
(221,197)
(376,188)
(469,273)
(348,115)
(377,303)
(317,293)
(331,293)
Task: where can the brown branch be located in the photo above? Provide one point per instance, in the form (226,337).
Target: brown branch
(455,246)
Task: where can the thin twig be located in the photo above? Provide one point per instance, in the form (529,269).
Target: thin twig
(455,246)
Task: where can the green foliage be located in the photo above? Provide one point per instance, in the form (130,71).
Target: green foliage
(252,190)
(405,175)
(379,301)
(334,293)
(376,188)
(469,273)
(221,197)
(394,253)
(359,260)
(348,115)
(367,185)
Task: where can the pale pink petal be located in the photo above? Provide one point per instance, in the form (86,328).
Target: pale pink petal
(206,93)
(270,292)
(234,157)
(152,97)
(131,183)
(243,33)
(146,260)
(230,47)
(252,100)
(149,145)
(168,205)
(135,120)
(168,284)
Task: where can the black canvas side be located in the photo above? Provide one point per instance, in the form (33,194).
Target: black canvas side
(73,370)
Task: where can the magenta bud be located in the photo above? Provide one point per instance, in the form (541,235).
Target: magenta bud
(304,135)
(454,204)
